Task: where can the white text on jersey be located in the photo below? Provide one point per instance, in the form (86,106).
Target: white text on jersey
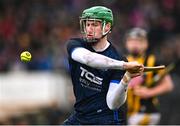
(90,76)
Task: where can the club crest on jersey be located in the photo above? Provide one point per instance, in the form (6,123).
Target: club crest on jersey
(90,76)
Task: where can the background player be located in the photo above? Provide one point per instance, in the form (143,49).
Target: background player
(142,91)
(97,72)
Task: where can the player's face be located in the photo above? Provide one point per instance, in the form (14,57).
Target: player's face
(136,46)
(93,29)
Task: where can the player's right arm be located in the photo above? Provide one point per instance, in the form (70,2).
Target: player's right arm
(92,59)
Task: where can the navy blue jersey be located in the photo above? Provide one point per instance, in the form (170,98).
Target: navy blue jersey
(91,85)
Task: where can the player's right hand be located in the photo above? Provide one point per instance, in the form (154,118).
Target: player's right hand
(134,68)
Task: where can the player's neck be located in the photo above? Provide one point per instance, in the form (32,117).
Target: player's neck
(102,45)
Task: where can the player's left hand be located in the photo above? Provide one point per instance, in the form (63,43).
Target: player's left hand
(143,92)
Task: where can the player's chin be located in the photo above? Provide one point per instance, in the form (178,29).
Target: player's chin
(92,40)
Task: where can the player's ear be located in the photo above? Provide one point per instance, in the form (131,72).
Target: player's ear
(108,27)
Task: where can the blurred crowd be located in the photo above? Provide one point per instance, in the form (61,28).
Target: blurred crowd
(42,27)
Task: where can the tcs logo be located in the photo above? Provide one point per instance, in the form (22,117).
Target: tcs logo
(90,76)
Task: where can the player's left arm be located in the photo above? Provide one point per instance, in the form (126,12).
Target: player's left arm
(164,86)
(117,92)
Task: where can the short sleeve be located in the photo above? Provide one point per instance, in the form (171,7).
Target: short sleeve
(72,44)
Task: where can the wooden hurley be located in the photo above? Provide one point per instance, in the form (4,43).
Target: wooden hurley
(155,68)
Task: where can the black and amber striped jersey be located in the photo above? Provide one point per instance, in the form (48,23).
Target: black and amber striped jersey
(135,103)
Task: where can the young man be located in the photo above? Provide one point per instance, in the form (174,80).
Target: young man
(98,72)
(142,90)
